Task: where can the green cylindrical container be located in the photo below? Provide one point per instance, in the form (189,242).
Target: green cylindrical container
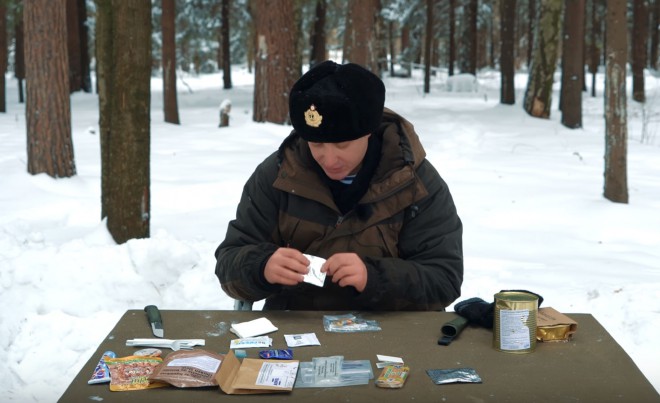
(514,327)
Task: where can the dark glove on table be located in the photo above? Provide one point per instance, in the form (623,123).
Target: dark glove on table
(477,311)
(482,313)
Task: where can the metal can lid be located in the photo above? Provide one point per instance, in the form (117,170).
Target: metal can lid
(516,296)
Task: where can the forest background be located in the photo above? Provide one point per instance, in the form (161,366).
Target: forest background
(115,48)
(53,45)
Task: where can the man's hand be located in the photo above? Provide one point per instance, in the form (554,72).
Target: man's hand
(286,266)
(346,269)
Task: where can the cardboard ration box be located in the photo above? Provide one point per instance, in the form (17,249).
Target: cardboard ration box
(254,376)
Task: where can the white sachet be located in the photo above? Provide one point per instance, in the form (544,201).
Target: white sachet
(314,276)
(250,342)
(300,340)
(385,360)
(253,328)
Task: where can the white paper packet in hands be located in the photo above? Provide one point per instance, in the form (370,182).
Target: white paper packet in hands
(315,276)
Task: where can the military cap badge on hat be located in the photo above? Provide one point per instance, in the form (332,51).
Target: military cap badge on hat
(312,117)
(332,103)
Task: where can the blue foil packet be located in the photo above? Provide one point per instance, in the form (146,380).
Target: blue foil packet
(102,372)
(276,354)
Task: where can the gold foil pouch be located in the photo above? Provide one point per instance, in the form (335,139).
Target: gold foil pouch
(553,326)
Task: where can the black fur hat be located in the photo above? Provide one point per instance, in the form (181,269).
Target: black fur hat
(334,102)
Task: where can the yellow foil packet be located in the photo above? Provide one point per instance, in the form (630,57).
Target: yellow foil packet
(553,326)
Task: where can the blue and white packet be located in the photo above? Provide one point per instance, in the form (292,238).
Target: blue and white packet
(286,354)
(101,373)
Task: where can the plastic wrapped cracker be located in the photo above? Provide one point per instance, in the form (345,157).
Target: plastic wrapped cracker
(349,323)
(393,377)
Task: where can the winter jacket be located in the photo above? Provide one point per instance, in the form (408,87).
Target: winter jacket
(405,228)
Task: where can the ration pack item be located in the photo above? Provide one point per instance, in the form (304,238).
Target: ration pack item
(554,326)
(393,376)
(148,352)
(101,373)
(286,354)
(132,373)
(189,369)
(453,375)
(349,323)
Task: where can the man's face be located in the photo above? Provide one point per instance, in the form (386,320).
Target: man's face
(339,160)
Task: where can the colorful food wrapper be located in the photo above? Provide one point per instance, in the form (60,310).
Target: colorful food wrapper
(132,373)
(393,377)
(101,373)
(286,354)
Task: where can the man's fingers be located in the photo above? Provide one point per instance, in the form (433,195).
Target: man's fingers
(287,277)
(293,260)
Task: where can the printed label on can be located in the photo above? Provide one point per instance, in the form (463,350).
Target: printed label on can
(514,325)
(514,332)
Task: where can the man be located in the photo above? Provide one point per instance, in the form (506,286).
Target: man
(350,184)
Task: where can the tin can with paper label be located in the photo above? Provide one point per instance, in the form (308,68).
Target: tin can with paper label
(514,327)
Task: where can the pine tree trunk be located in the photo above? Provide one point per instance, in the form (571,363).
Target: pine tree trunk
(468,55)
(318,39)
(572,64)
(77,33)
(392,46)
(616,132)
(381,42)
(655,35)
(452,34)
(428,40)
(640,34)
(538,96)
(83,33)
(507,27)
(226,52)
(104,84)
(276,66)
(405,38)
(123,35)
(595,43)
(73,45)
(531,18)
(361,45)
(48,107)
(170,104)
(3,57)
(493,35)
(19,55)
